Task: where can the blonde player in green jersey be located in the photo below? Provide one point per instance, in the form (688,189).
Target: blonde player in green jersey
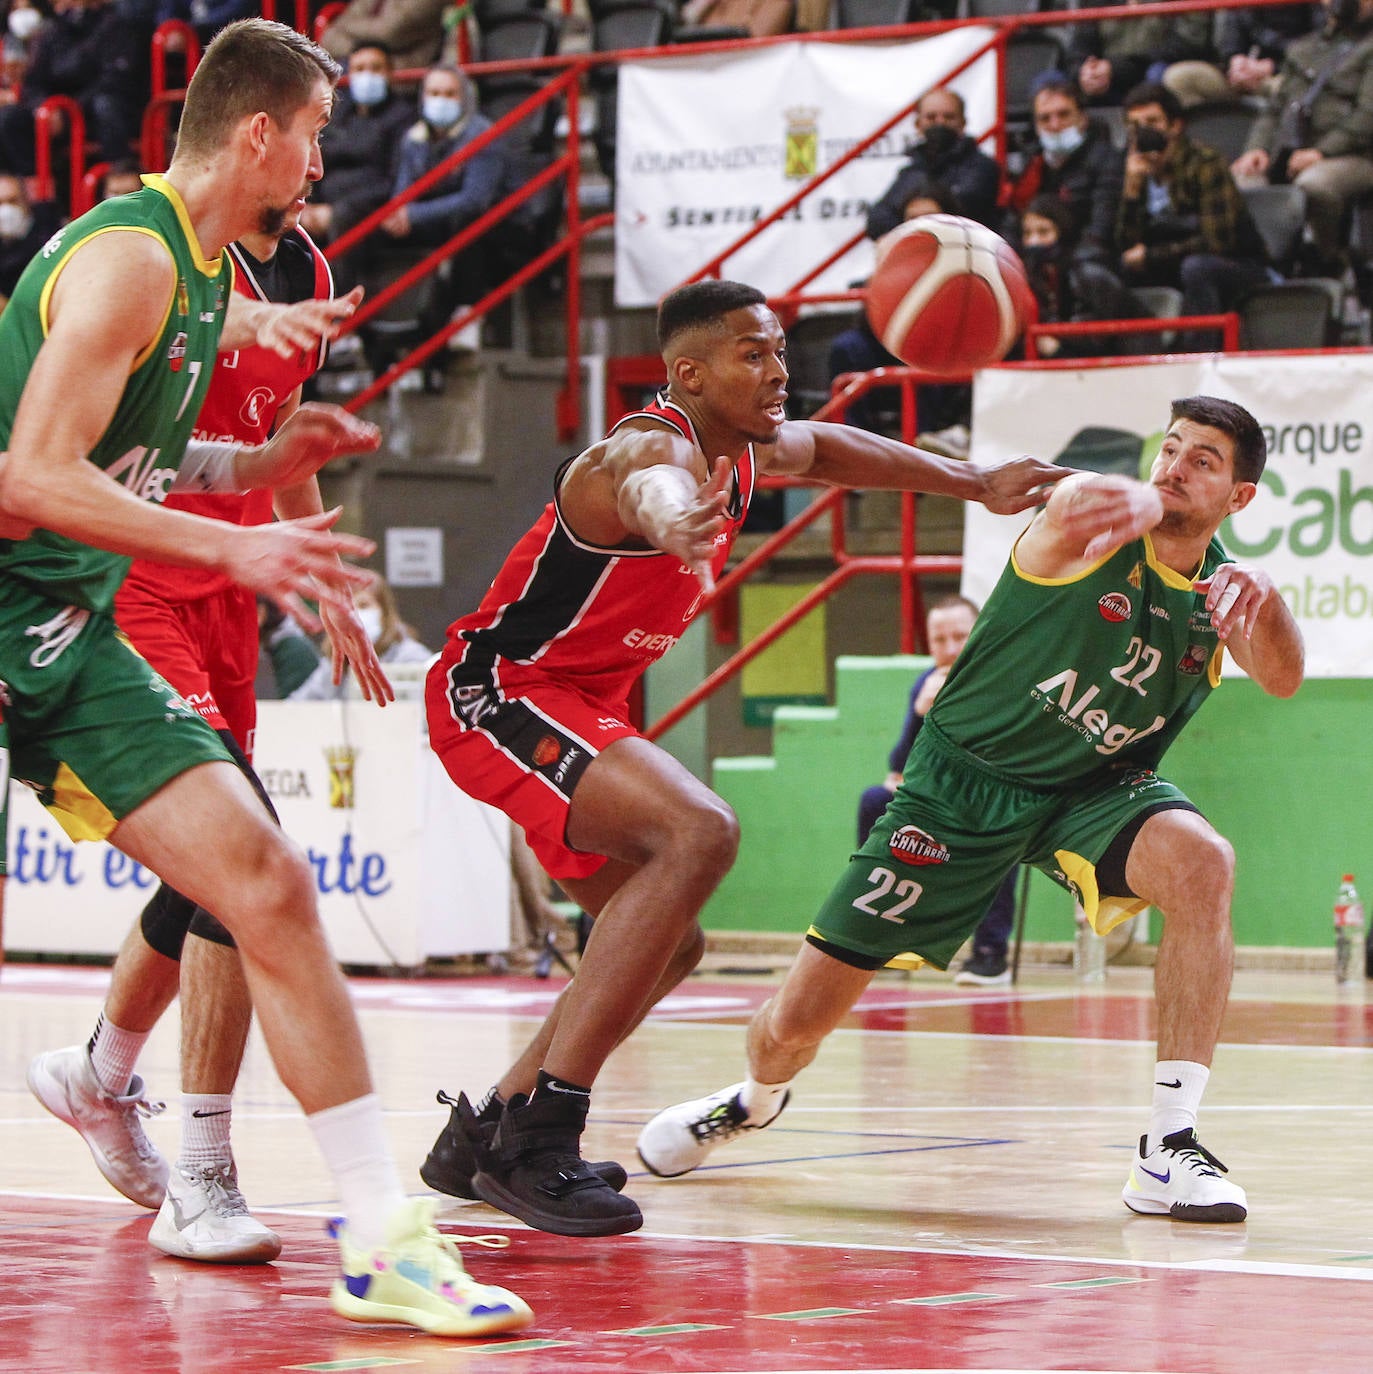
(1102,638)
(105,352)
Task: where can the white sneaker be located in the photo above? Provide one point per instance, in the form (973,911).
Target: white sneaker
(954,441)
(679,1138)
(204,1217)
(417,1279)
(65,1083)
(1182,1179)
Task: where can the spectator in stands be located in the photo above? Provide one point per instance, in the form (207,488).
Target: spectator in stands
(206,17)
(943,153)
(123,178)
(394,641)
(412,30)
(757,18)
(360,147)
(96,53)
(1317,128)
(24,228)
(942,411)
(1250,46)
(1183,221)
(1110,57)
(23,19)
(1073,159)
(449,120)
(1067,288)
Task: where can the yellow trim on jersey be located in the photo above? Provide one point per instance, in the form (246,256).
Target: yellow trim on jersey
(1213,667)
(1171,578)
(66,257)
(157,182)
(1104,914)
(77,809)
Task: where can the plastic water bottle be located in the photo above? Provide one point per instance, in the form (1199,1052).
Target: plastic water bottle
(1348,929)
(1089,950)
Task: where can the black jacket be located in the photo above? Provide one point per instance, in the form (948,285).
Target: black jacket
(973,177)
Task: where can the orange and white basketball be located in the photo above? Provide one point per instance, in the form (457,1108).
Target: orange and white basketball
(948,295)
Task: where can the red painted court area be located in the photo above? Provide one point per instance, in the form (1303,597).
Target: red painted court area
(102,1300)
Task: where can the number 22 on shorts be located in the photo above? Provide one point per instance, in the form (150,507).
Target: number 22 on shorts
(885,884)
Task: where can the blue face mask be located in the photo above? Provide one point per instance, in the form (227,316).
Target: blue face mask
(368,88)
(441,111)
(1061,143)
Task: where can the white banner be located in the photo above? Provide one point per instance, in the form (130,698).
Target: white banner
(708,145)
(406,866)
(1311,524)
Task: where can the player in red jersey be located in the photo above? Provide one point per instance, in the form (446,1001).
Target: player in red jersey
(199,630)
(528,710)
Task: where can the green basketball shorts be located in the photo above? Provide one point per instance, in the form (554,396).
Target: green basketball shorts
(924,879)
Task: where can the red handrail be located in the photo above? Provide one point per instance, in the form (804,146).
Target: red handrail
(190,46)
(326,16)
(46,119)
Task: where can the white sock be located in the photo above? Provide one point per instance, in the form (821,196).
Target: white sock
(762,1101)
(205,1119)
(352,1139)
(1178,1086)
(114,1052)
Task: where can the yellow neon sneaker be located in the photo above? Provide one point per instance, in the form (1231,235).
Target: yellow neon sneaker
(417,1279)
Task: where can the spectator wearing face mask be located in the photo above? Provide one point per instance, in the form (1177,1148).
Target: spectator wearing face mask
(1073,160)
(24,229)
(360,146)
(943,154)
(394,641)
(22,20)
(449,121)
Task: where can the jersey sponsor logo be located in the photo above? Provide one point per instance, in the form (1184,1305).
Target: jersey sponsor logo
(137,470)
(1090,721)
(914,846)
(183,298)
(565,763)
(649,642)
(258,402)
(1193,661)
(1114,606)
(57,635)
(546,751)
(176,350)
(1200,620)
(1136,577)
(54,244)
(473,702)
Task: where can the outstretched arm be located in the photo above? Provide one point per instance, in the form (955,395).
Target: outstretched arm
(285,329)
(845,456)
(1088,517)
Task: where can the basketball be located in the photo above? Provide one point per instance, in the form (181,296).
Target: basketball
(948,295)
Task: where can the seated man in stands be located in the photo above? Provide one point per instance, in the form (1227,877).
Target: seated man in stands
(25,226)
(944,153)
(449,121)
(1183,221)
(93,52)
(1317,130)
(1250,47)
(1109,58)
(360,146)
(1073,159)
(412,30)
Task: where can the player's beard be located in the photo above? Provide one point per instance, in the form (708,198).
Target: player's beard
(272,220)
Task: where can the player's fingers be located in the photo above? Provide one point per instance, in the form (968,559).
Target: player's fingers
(294,606)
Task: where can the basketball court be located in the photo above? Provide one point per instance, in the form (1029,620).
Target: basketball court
(943,1193)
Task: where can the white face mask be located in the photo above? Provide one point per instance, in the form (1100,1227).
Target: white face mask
(442,111)
(15,221)
(1062,143)
(368,88)
(22,23)
(369,617)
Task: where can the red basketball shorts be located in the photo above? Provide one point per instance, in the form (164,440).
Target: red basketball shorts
(206,648)
(522,750)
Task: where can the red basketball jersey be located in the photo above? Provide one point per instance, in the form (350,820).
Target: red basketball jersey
(248,388)
(592,618)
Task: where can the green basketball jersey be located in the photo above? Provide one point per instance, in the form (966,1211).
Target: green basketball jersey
(144,443)
(1062,679)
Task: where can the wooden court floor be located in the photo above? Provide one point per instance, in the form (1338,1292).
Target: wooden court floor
(942,1194)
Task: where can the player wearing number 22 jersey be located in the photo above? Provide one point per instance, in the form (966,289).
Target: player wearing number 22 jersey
(535,683)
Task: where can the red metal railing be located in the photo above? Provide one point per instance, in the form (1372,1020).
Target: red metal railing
(57,115)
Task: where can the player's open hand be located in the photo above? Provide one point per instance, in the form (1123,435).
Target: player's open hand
(1235,595)
(694,533)
(351,646)
(292,559)
(291,329)
(314,434)
(1018,484)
